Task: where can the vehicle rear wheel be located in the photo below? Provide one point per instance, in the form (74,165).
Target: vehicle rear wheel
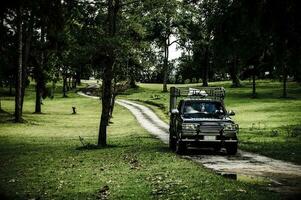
(180,147)
(231,149)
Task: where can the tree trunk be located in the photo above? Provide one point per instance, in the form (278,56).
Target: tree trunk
(112,105)
(113,8)
(10,80)
(78,77)
(165,65)
(69,83)
(64,86)
(18,95)
(133,81)
(205,70)
(234,73)
(52,89)
(73,82)
(284,92)
(106,102)
(26,56)
(38,109)
(254,83)
(39,74)
(114,94)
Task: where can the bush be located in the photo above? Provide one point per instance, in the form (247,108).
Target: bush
(187,81)
(180,79)
(172,79)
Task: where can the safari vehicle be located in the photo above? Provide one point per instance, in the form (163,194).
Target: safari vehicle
(201,120)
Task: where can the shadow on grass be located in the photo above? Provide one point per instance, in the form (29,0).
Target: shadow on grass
(95,147)
(282,150)
(131,91)
(6,117)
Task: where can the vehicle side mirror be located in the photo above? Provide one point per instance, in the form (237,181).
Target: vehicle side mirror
(231,113)
(174,111)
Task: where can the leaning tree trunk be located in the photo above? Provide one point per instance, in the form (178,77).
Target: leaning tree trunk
(113,8)
(165,65)
(18,95)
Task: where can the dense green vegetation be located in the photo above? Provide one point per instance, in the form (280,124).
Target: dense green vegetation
(43,158)
(269,125)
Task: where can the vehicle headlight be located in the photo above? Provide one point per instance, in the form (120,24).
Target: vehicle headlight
(190,126)
(230,127)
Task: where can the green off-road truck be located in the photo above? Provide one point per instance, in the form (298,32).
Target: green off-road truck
(200,119)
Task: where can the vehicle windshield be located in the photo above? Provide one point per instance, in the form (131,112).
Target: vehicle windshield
(201,109)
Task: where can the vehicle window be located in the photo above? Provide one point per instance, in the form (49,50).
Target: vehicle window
(210,109)
(180,105)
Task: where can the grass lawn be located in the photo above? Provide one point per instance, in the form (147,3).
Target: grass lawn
(42,159)
(269,125)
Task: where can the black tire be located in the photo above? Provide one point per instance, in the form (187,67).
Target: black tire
(217,149)
(180,147)
(231,149)
(172,142)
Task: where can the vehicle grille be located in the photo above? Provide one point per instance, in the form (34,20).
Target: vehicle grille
(205,128)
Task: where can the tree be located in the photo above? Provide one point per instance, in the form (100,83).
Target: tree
(18,97)
(281,22)
(197,37)
(163,25)
(113,9)
(227,34)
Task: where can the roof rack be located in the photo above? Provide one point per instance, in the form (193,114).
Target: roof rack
(212,93)
(204,92)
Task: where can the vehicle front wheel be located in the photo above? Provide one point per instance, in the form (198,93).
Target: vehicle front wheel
(231,149)
(172,143)
(180,147)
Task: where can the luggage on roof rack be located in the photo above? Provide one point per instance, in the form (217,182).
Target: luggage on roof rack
(209,92)
(213,93)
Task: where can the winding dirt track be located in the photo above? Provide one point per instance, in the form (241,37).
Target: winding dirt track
(284,177)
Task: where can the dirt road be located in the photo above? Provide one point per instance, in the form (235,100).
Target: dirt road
(281,176)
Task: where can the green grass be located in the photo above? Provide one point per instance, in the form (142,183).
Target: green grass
(269,125)
(42,158)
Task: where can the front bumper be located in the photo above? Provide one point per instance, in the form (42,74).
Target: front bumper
(209,141)
(209,138)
